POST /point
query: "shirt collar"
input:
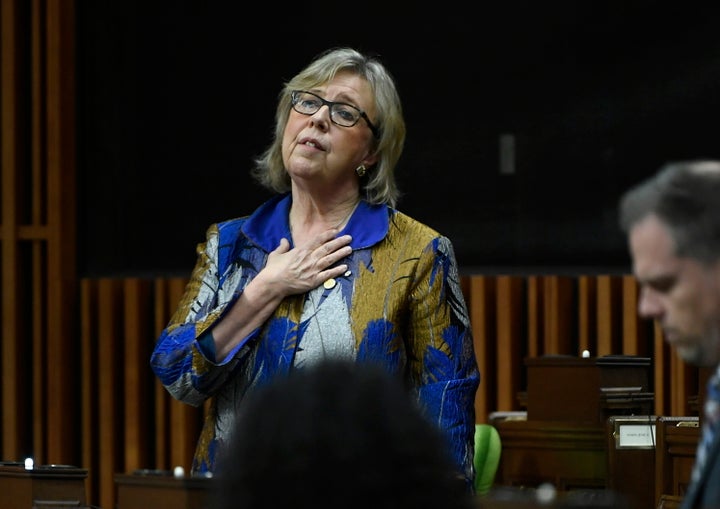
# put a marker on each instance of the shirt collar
(270, 222)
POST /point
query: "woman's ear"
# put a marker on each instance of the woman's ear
(370, 160)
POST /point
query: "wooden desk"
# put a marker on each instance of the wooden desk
(631, 458)
(587, 390)
(677, 439)
(669, 502)
(530, 498)
(161, 492)
(42, 486)
(570, 456)
(569, 401)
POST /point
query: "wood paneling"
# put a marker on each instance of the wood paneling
(131, 421)
(55, 22)
(38, 232)
(508, 328)
(15, 339)
(545, 314)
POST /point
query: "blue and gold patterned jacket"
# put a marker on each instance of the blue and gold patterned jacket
(399, 304)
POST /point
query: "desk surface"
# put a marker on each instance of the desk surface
(43, 471)
(41, 486)
(161, 491)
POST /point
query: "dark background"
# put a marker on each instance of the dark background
(176, 98)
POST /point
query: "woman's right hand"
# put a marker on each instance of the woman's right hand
(307, 266)
(287, 272)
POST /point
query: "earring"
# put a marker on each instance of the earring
(360, 170)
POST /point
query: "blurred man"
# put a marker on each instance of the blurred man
(672, 221)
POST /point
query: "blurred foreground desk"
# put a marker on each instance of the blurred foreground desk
(543, 498)
(41, 487)
(161, 491)
(566, 455)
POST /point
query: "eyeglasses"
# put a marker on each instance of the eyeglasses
(342, 114)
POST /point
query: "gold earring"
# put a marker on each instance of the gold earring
(360, 170)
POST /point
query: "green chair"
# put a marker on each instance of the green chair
(487, 457)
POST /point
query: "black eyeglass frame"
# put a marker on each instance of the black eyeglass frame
(294, 95)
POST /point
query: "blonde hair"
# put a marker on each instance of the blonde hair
(379, 184)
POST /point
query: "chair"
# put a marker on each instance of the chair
(487, 457)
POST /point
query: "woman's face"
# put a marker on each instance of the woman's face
(318, 152)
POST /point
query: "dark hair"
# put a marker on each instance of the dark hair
(685, 196)
(340, 435)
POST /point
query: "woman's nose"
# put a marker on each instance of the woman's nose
(321, 117)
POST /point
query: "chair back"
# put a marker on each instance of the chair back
(488, 448)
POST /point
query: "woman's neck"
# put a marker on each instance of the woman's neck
(307, 218)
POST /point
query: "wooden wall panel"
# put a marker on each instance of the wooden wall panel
(480, 292)
(138, 376)
(89, 390)
(111, 394)
(587, 318)
(58, 72)
(685, 383)
(38, 329)
(162, 310)
(510, 350)
(608, 320)
(12, 351)
(120, 400)
(37, 232)
(662, 372)
(634, 328)
(535, 315)
(564, 315)
(558, 316)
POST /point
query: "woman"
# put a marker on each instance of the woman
(327, 268)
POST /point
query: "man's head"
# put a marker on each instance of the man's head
(672, 220)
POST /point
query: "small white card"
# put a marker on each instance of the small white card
(636, 435)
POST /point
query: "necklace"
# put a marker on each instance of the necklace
(342, 223)
(338, 226)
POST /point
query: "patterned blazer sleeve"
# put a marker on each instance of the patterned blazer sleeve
(189, 372)
(442, 336)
